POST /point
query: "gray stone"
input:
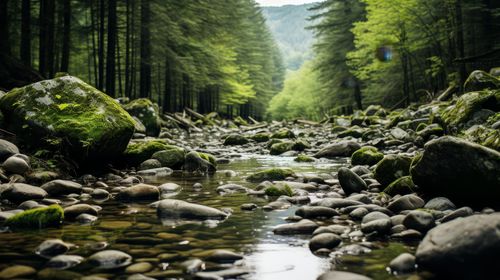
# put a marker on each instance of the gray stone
(440, 204)
(379, 226)
(17, 272)
(139, 192)
(194, 163)
(324, 241)
(342, 275)
(178, 209)
(460, 212)
(302, 227)
(7, 149)
(150, 164)
(74, 211)
(224, 256)
(64, 261)
(419, 220)
(340, 149)
(333, 202)
(467, 248)
(19, 192)
(403, 263)
(109, 259)
(358, 213)
(52, 247)
(311, 212)
(16, 165)
(406, 202)
(61, 187)
(231, 188)
(350, 181)
(169, 188)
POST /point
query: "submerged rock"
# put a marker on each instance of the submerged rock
(139, 192)
(466, 248)
(465, 172)
(52, 247)
(342, 275)
(302, 227)
(51, 216)
(110, 259)
(71, 115)
(178, 209)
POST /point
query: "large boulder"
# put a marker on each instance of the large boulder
(467, 248)
(392, 167)
(479, 80)
(147, 112)
(139, 151)
(67, 114)
(20, 192)
(465, 172)
(178, 209)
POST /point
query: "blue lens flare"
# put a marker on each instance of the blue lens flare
(384, 53)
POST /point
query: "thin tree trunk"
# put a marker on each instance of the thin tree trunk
(66, 35)
(50, 37)
(145, 78)
(94, 50)
(127, 48)
(119, 67)
(459, 33)
(100, 83)
(25, 50)
(111, 50)
(42, 41)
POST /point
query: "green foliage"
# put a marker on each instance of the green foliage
(51, 216)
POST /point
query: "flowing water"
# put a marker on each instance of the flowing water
(135, 229)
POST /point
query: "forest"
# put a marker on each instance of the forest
(177, 53)
(249, 139)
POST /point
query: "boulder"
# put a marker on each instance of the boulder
(367, 155)
(110, 259)
(195, 163)
(391, 168)
(273, 174)
(51, 216)
(402, 264)
(350, 181)
(403, 185)
(140, 192)
(235, 140)
(139, 151)
(468, 175)
(147, 113)
(19, 192)
(340, 149)
(465, 248)
(324, 241)
(406, 202)
(16, 165)
(172, 158)
(178, 209)
(7, 149)
(479, 80)
(62, 187)
(66, 113)
(342, 275)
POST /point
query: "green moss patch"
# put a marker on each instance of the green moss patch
(367, 155)
(304, 158)
(140, 151)
(279, 191)
(403, 185)
(51, 216)
(273, 174)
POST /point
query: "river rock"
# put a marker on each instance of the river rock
(403, 263)
(461, 212)
(324, 241)
(52, 247)
(74, 116)
(7, 149)
(335, 203)
(466, 248)
(235, 139)
(406, 202)
(350, 181)
(367, 155)
(302, 227)
(391, 168)
(469, 175)
(273, 174)
(17, 272)
(19, 192)
(62, 187)
(138, 192)
(440, 204)
(172, 158)
(169, 188)
(340, 149)
(342, 275)
(195, 163)
(178, 209)
(312, 212)
(109, 259)
(64, 261)
(419, 220)
(16, 165)
(223, 256)
(51, 216)
(147, 113)
(73, 211)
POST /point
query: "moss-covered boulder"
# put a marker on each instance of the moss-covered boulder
(147, 113)
(139, 151)
(464, 172)
(355, 132)
(479, 80)
(402, 186)
(235, 140)
(284, 134)
(367, 155)
(51, 216)
(392, 167)
(461, 115)
(279, 148)
(278, 190)
(304, 158)
(68, 115)
(300, 145)
(427, 131)
(260, 137)
(209, 157)
(273, 174)
(194, 163)
(172, 157)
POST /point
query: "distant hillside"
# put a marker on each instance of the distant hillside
(287, 24)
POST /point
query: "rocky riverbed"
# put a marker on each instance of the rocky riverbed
(411, 193)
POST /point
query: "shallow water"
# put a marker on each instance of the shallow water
(135, 229)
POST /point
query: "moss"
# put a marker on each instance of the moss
(279, 191)
(67, 114)
(420, 127)
(355, 132)
(240, 121)
(367, 155)
(51, 216)
(260, 137)
(485, 136)
(208, 157)
(391, 168)
(272, 142)
(147, 113)
(337, 129)
(284, 134)
(279, 148)
(273, 174)
(479, 80)
(172, 157)
(403, 185)
(300, 145)
(140, 151)
(304, 158)
(235, 140)
(428, 131)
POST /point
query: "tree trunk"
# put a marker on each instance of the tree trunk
(145, 82)
(127, 47)
(357, 94)
(111, 50)
(94, 45)
(25, 50)
(66, 35)
(50, 13)
(459, 33)
(100, 82)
